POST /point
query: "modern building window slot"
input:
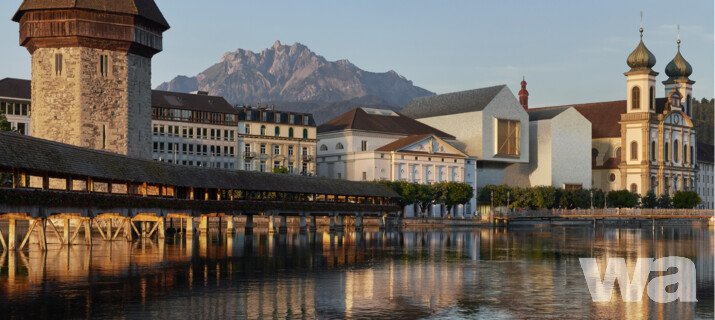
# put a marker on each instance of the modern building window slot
(508, 137)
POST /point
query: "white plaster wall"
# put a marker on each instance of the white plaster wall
(466, 127)
(540, 165)
(504, 106)
(571, 150)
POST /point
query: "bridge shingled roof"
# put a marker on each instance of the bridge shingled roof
(28, 153)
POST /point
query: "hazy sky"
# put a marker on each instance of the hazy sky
(570, 51)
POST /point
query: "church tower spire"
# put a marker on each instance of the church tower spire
(641, 79)
(524, 95)
(678, 71)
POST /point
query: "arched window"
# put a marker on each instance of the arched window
(635, 98)
(634, 188)
(323, 148)
(277, 131)
(652, 151)
(666, 153)
(290, 132)
(676, 151)
(652, 98)
(305, 133)
(263, 130)
(634, 150)
(339, 146)
(618, 153)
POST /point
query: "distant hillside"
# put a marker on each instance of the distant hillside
(704, 119)
(296, 76)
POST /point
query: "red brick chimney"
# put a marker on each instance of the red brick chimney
(524, 95)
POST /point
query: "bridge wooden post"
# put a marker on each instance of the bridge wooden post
(66, 232)
(249, 224)
(11, 235)
(204, 224)
(358, 223)
(109, 229)
(313, 224)
(162, 228)
(42, 237)
(303, 224)
(283, 228)
(128, 229)
(87, 226)
(189, 228)
(271, 223)
(230, 228)
(340, 226)
(332, 222)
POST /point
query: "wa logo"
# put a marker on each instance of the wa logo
(663, 289)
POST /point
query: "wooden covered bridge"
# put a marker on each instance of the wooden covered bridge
(42, 181)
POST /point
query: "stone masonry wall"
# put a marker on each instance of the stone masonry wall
(84, 108)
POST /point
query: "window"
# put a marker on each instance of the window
(247, 129)
(305, 133)
(277, 117)
(58, 64)
(276, 149)
(323, 147)
(104, 65)
(339, 146)
(263, 130)
(213, 134)
(156, 146)
(652, 151)
(305, 169)
(290, 131)
(247, 166)
(276, 164)
(364, 176)
(225, 135)
(191, 133)
(290, 167)
(291, 119)
(263, 148)
(306, 120)
(290, 150)
(666, 154)
(264, 116)
(685, 153)
(508, 137)
(262, 167)
(231, 134)
(205, 133)
(676, 151)
(247, 148)
(634, 188)
(652, 98)
(363, 146)
(184, 148)
(277, 131)
(635, 98)
(634, 150)
(184, 132)
(249, 115)
(305, 152)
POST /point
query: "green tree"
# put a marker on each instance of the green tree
(622, 199)
(650, 200)
(686, 199)
(582, 198)
(665, 202)
(703, 118)
(281, 170)
(4, 124)
(404, 189)
(425, 195)
(454, 193)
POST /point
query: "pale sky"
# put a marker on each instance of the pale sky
(570, 51)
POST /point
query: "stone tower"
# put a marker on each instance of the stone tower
(91, 71)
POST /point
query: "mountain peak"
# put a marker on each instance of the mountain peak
(294, 74)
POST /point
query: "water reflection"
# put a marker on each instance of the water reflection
(485, 273)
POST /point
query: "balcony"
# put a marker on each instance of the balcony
(249, 155)
(307, 158)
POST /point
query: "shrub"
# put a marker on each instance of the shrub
(686, 199)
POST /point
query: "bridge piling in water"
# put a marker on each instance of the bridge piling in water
(313, 224)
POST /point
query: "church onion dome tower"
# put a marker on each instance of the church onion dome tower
(641, 58)
(678, 68)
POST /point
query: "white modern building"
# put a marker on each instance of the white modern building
(704, 182)
(193, 129)
(15, 103)
(367, 144)
(488, 123)
(559, 146)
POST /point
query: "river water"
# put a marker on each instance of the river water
(482, 273)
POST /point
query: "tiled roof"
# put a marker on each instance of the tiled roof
(706, 153)
(15, 88)
(359, 119)
(271, 116)
(452, 103)
(604, 116)
(143, 8)
(23, 152)
(189, 101)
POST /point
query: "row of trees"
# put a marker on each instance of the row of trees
(450, 194)
(546, 197)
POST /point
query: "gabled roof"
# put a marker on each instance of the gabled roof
(395, 123)
(144, 8)
(604, 116)
(410, 140)
(706, 153)
(538, 114)
(452, 103)
(190, 101)
(16, 88)
(23, 152)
